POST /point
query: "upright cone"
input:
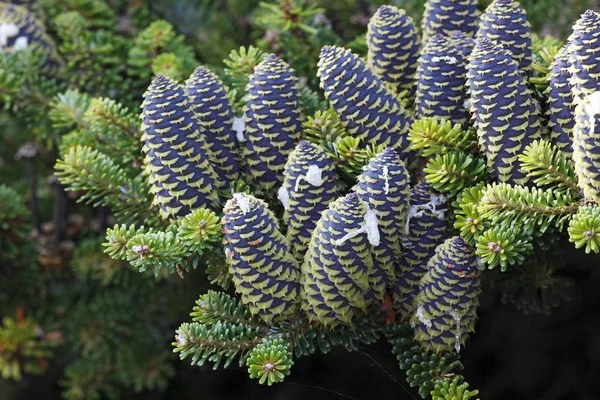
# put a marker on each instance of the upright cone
(264, 272)
(177, 157)
(211, 105)
(384, 186)
(446, 307)
(393, 48)
(273, 123)
(367, 109)
(426, 227)
(337, 265)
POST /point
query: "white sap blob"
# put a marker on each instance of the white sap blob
(386, 176)
(314, 175)
(371, 226)
(448, 59)
(243, 202)
(592, 109)
(432, 205)
(21, 43)
(6, 32)
(284, 196)
(422, 318)
(239, 126)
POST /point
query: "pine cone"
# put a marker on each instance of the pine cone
(273, 121)
(263, 270)
(505, 23)
(310, 184)
(506, 115)
(441, 80)
(213, 109)
(368, 110)
(446, 307)
(338, 262)
(448, 16)
(384, 186)
(177, 157)
(393, 48)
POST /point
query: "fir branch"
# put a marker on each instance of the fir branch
(220, 343)
(103, 183)
(213, 307)
(519, 205)
(452, 172)
(584, 229)
(431, 136)
(550, 167)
